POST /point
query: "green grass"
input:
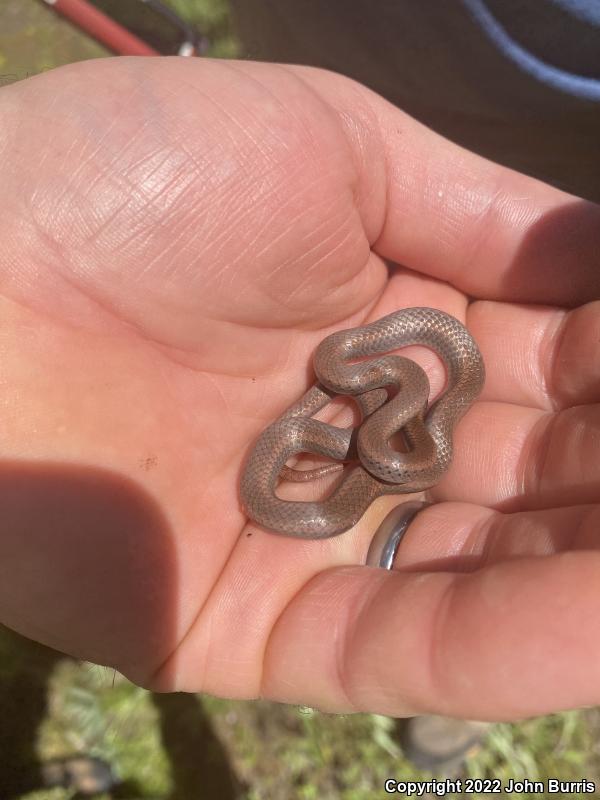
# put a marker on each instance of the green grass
(33, 38)
(175, 745)
(212, 18)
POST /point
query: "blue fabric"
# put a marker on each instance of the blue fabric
(588, 11)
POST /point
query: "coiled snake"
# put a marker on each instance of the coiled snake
(379, 469)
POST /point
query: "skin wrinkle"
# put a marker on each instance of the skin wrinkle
(345, 217)
(179, 179)
(280, 105)
(480, 532)
(454, 204)
(255, 144)
(334, 287)
(354, 612)
(136, 206)
(551, 347)
(557, 367)
(301, 325)
(172, 266)
(329, 254)
(50, 216)
(210, 378)
(325, 106)
(354, 136)
(478, 243)
(515, 491)
(143, 222)
(281, 141)
(349, 288)
(468, 203)
(48, 151)
(212, 154)
(226, 235)
(212, 245)
(529, 469)
(580, 430)
(166, 350)
(149, 157)
(260, 230)
(124, 161)
(358, 133)
(582, 466)
(74, 175)
(66, 186)
(375, 129)
(388, 172)
(129, 326)
(519, 523)
(284, 264)
(589, 518)
(530, 369)
(492, 532)
(98, 177)
(267, 646)
(577, 532)
(94, 147)
(437, 655)
(540, 441)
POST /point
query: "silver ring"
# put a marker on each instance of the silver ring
(389, 534)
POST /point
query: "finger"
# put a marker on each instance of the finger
(517, 639)
(515, 458)
(538, 356)
(460, 537)
(488, 230)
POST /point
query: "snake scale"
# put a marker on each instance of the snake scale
(374, 467)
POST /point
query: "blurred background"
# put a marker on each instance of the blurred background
(137, 744)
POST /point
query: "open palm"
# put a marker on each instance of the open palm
(177, 237)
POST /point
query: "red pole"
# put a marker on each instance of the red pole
(102, 28)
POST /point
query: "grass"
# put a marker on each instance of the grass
(212, 18)
(185, 746)
(190, 746)
(33, 38)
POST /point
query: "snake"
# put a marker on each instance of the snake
(392, 394)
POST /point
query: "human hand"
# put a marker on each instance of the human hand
(178, 235)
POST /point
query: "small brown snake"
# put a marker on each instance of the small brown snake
(378, 469)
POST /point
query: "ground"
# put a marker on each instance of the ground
(192, 746)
